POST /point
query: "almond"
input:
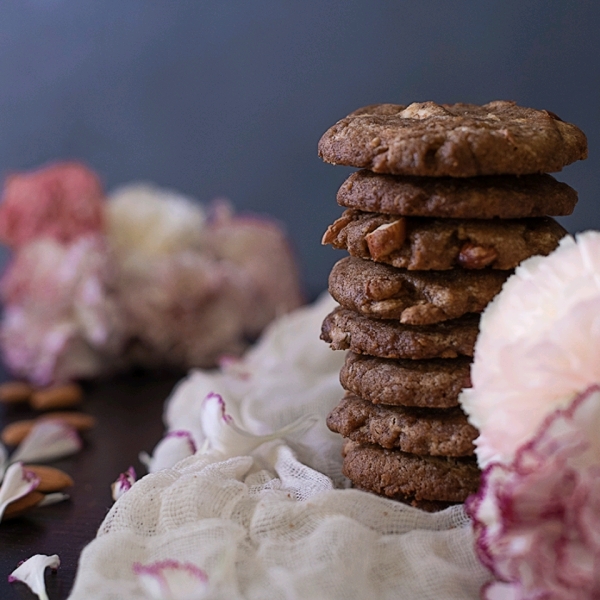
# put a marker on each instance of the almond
(15, 433)
(77, 420)
(23, 504)
(51, 479)
(386, 238)
(13, 392)
(330, 236)
(473, 256)
(59, 396)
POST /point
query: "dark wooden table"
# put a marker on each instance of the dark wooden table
(129, 411)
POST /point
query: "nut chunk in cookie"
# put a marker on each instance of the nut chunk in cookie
(422, 244)
(414, 297)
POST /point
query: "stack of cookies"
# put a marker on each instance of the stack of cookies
(450, 200)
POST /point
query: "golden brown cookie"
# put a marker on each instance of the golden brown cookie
(503, 196)
(396, 474)
(421, 244)
(414, 297)
(434, 383)
(345, 329)
(455, 140)
(423, 431)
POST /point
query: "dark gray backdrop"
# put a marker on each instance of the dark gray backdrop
(229, 97)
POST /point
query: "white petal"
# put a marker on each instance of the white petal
(3, 460)
(53, 498)
(123, 483)
(47, 441)
(227, 439)
(171, 580)
(17, 483)
(31, 573)
(175, 446)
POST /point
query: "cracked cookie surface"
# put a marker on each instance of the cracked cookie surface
(453, 140)
(345, 329)
(397, 474)
(423, 431)
(413, 297)
(433, 383)
(500, 196)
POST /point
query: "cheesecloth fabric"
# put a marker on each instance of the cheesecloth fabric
(279, 522)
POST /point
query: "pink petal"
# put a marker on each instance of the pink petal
(123, 483)
(31, 573)
(171, 579)
(537, 519)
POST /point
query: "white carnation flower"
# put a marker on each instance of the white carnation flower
(538, 347)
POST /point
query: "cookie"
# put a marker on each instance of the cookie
(414, 297)
(503, 196)
(453, 140)
(426, 505)
(434, 383)
(423, 431)
(396, 474)
(345, 329)
(418, 244)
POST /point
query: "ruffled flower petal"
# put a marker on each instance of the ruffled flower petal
(123, 483)
(62, 201)
(17, 483)
(61, 318)
(225, 438)
(537, 519)
(175, 446)
(538, 346)
(31, 573)
(47, 441)
(172, 580)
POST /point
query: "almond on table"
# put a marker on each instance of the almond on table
(59, 396)
(51, 479)
(23, 504)
(13, 392)
(16, 432)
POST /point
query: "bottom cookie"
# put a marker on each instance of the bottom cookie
(426, 505)
(399, 475)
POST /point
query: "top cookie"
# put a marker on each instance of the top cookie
(455, 140)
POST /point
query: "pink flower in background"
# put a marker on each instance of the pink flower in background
(141, 279)
(260, 249)
(61, 318)
(62, 201)
(192, 291)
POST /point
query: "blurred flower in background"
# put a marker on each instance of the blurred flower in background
(144, 277)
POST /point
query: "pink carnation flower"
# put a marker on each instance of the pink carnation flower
(61, 319)
(183, 310)
(537, 514)
(537, 519)
(62, 201)
(258, 247)
(192, 291)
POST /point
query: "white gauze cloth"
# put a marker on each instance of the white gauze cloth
(276, 523)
